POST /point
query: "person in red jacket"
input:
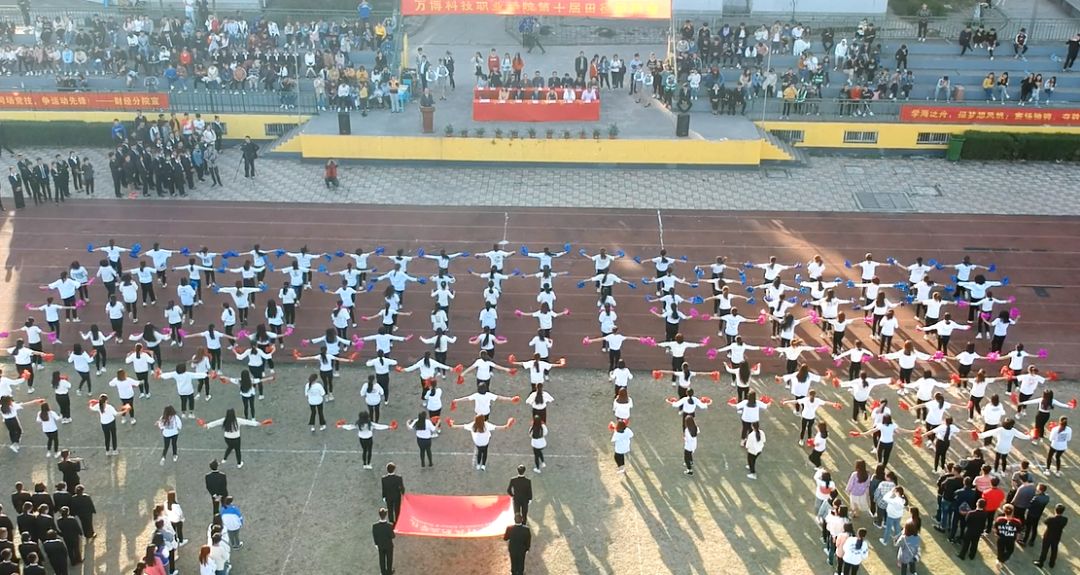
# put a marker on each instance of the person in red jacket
(330, 174)
(993, 497)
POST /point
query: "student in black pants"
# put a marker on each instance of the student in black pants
(1052, 536)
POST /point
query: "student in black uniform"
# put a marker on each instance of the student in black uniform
(82, 506)
(56, 551)
(520, 489)
(70, 532)
(393, 488)
(519, 539)
(382, 532)
(217, 484)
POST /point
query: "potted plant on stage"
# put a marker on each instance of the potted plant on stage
(596, 133)
(514, 134)
(464, 133)
(550, 133)
(498, 133)
(613, 131)
(532, 133)
(583, 134)
(449, 131)
(566, 134)
(479, 132)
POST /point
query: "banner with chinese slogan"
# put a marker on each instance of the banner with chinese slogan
(631, 9)
(61, 101)
(455, 516)
(990, 115)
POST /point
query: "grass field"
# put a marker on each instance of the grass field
(308, 502)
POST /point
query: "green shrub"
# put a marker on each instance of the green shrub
(1032, 147)
(59, 134)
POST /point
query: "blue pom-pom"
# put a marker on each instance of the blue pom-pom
(136, 247)
(379, 250)
(697, 300)
(805, 303)
(322, 268)
(748, 265)
(279, 252)
(650, 298)
(185, 251)
(133, 254)
(263, 287)
(1005, 281)
(793, 299)
(700, 273)
(850, 283)
(992, 268)
(620, 253)
(374, 270)
(847, 264)
(221, 270)
(949, 289)
(909, 299)
(582, 252)
(328, 257)
(580, 284)
(751, 301)
(230, 254)
(90, 248)
(954, 279)
(694, 285)
(566, 247)
(939, 267)
(370, 286)
(838, 279)
(900, 286)
(322, 287)
(516, 272)
(749, 289)
(804, 290)
(422, 281)
(339, 253)
(646, 281)
(465, 254)
(214, 288)
(798, 278)
(890, 261)
(637, 259)
(856, 307)
(932, 262)
(470, 270)
(631, 285)
(684, 258)
(524, 251)
(420, 252)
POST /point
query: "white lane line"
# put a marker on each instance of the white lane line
(303, 510)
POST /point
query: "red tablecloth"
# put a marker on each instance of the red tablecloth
(487, 108)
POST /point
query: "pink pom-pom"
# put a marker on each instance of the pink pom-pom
(985, 316)
(651, 342)
(518, 313)
(288, 330)
(938, 356)
(1043, 353)
(705, 340)
(761, 319)
(769, 351)
(242, 334)
(993, 356)
(79, 304)
(181, 332)
(1014, 313)
(694, 313)
(822, 349)
(868, 320)
(962, 303)
(4, 334)
(585, 341)
(29, 307)
(711, 354)
(305, 342)
(90, 281)
(51, 336)
(653, 310)
(359, 345)
(1012, 299)
(566, 311)
(882, 359)
(838, 362)
(500, 339)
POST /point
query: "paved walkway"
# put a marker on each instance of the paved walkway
(827, 184)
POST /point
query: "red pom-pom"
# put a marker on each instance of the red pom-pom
(854, 433)
(515, 399)
(1052, 375)
(453, 406)
(656, 374)
(706, 400)
(1072, 403)
(93, 403)
(611, 426)
(296, 354)
(399, 369)
(513, 371)
(904, 405)
(1034, 433)
(339, 423)
(267, 422)
(393, 425)
(459, 368)
(767, 400)
(837, 405)
(49, 356)
(450, 422)
(1014, 398)
(875, 404)
(715, 375)
(511, 358)
(836, 382)
(200, 422)
(955, 378)
(733, 401)
(810, 442)
(510, 422)
(460, 379)
(974, 435)
(672, 400)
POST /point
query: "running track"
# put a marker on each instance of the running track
(1033, 251)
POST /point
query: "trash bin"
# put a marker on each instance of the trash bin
(956, 145)
(958, 93)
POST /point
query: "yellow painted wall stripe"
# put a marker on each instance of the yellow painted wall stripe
(239, 125)
(895, 136)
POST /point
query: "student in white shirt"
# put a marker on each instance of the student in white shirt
(613, 342)
(67, 289)
(425, 432)
(247, 385)
(621, 439)
(1059, 442)
(152, 339)
(1045, 404)
(808, 407)
(818, 444)
(382, 366)
(327, 367)
(857, 355)
(1003, 442)
(906, 359)
(690, 442)
(365, 430)
(754, 443)
(1000, 327)
(481, 429)
(944, 329)
(125, 390)
(61, 389)
(484, 366)
(860, 393)
(373, 394)
(538, 440)
(184, 388)
(140, 362)
(856, 550)
(24, 358)
(440, 343)
(170, 426)
(9, 411)
(80, 360)
(52, 317)
(230, 424)
(107, 414)
(48, 419)
(315, 394)
(538, 401)
(884, 433)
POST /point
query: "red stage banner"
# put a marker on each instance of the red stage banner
(455, 516)
(632, 9)
(488, 108)
(82, 101)
(989, 115)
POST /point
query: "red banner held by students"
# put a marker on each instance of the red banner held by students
(83, 101)
(631, 9)
(455, 516)
(989, 115)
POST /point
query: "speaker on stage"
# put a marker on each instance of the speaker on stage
(682, 126)
(344, 124)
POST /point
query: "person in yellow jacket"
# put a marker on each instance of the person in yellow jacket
(789, 99)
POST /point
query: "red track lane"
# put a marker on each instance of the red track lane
(1032, 251)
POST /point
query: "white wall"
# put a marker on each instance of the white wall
(828, 6)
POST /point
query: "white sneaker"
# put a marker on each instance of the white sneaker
(536, 470)
(162, 462)
(367, 467)
(751, 475)
(207, 398)
(79, 391)
(48, 455)
(198, 395)
(483, 468)
(313, 429)
(133, 420)
(142, 396)
(478, 467)
(978, 336)
(543, 464)
(322, 428)
(261, 396)
(241, 465)
(175, 457)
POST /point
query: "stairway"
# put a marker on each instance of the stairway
(287, 143)
(798, 157)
